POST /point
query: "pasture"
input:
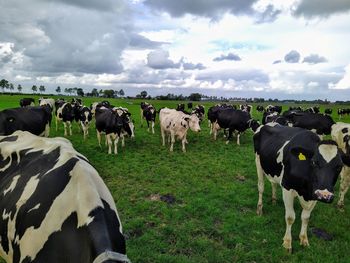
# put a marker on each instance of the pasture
(200, 206)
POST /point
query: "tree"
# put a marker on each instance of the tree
(80, 92)
(4, 84)
(195, 97)
(116, 93)
(121, 92)
(42, 88)
(11, 87)
(58, 90)
(65, 90)
(109, 93)
(19, 88)
(34, 88)
(94, 92)
(143, 94)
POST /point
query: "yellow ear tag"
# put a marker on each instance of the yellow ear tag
(301, 157)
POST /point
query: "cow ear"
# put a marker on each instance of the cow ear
(301, 154)
(345, 158)
(11, 119)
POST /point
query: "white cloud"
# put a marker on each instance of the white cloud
(344, 83)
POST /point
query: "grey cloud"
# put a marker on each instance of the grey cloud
(229, 56)
(269, 15)
(105, 5)
(277, 61)
(318, 8)
(191, 66)
(206, 8)
(159, 59)
(140, 42)
(314, 59)
(292, 57)
(237, 75)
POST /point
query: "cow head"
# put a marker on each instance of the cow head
(193, 122)
(85, 115)
(253, 124)
(322, 166)
(7, 124)
(346, 139)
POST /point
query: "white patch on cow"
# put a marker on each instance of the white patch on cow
(338, 135)
(280, 153)
(328, 151)
(12, 185)
(35, 207)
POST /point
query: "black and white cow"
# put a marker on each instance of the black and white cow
(180, 107)
(319, 123)
(246, 107)
(84, 117)
(189, 105)
(47, 101)
(199, 110)
(98, 105)
(343, 112)
(26, 102)
(341, 134)
(213, 114)
(260, 108)
(65, 113)
(328, 111)
(110, 123)
(313, 109)
(36, 120)
(54, 205)
(272, 108)
(302, 164)
(126, 114)
(274, 117)
(235, 121)
(149, 113)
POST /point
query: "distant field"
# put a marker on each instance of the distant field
(213, 218)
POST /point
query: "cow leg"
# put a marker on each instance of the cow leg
(116, 140)
(307, 206)
(47, 130)
(184, 144)
(163, 135)
(141, 118)
(69, 124)
(109, 141)
(65, 128)
(56, 120)
(147, 125)
(229, 135)
(273, 187)
(288, 199)
(153, 127)
(238, 135)
(98, 137)
(344, 185)
(123, 141)
(172, 134)
(260, 174)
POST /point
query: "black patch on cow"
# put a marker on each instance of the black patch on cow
(9, 139)
(345, 130)
(49, 187)
(83, 244)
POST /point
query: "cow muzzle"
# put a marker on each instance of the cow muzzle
(324, 196)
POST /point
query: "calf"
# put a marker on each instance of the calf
(125, 112)
(65, 113)
(328, 111)
(36, 120)
(26, 102)
(54, 205)
(84, 117)
(319, 123)
(175, 124)
(302, 164)
(149, 113)
(235, 121)
(111, 124)
(341, 134)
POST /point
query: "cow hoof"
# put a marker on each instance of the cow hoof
(259, 211)
(227, 142)
(274, 201)
(287, 244)
(340, 206)
(304, 241)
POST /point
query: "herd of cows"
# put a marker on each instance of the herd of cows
(50, 192)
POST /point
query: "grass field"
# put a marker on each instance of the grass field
(212, 217)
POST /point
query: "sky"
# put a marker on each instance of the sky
(285, 49)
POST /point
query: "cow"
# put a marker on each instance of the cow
(189, 105)
(341, 134)
(199, 110)
(143, 105)
(314, 109)
(319, 123)
(125, 112)
(36, 120)
(110, 123)
(260, 108)
(149, 113)
(271, 108)
(176, 124)
(298, 108)
(47, 101)
(65, 113)
(328, 111)
(246, 107)
(54, 205)
(302, 164)
(342, 112)
(26, 102)
(84, 117)
(235, 121)
(274, 117)
(180, 107)
(213, 112)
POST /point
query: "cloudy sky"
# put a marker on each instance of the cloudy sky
(237, 48)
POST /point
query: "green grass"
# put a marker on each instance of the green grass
(213, 218)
